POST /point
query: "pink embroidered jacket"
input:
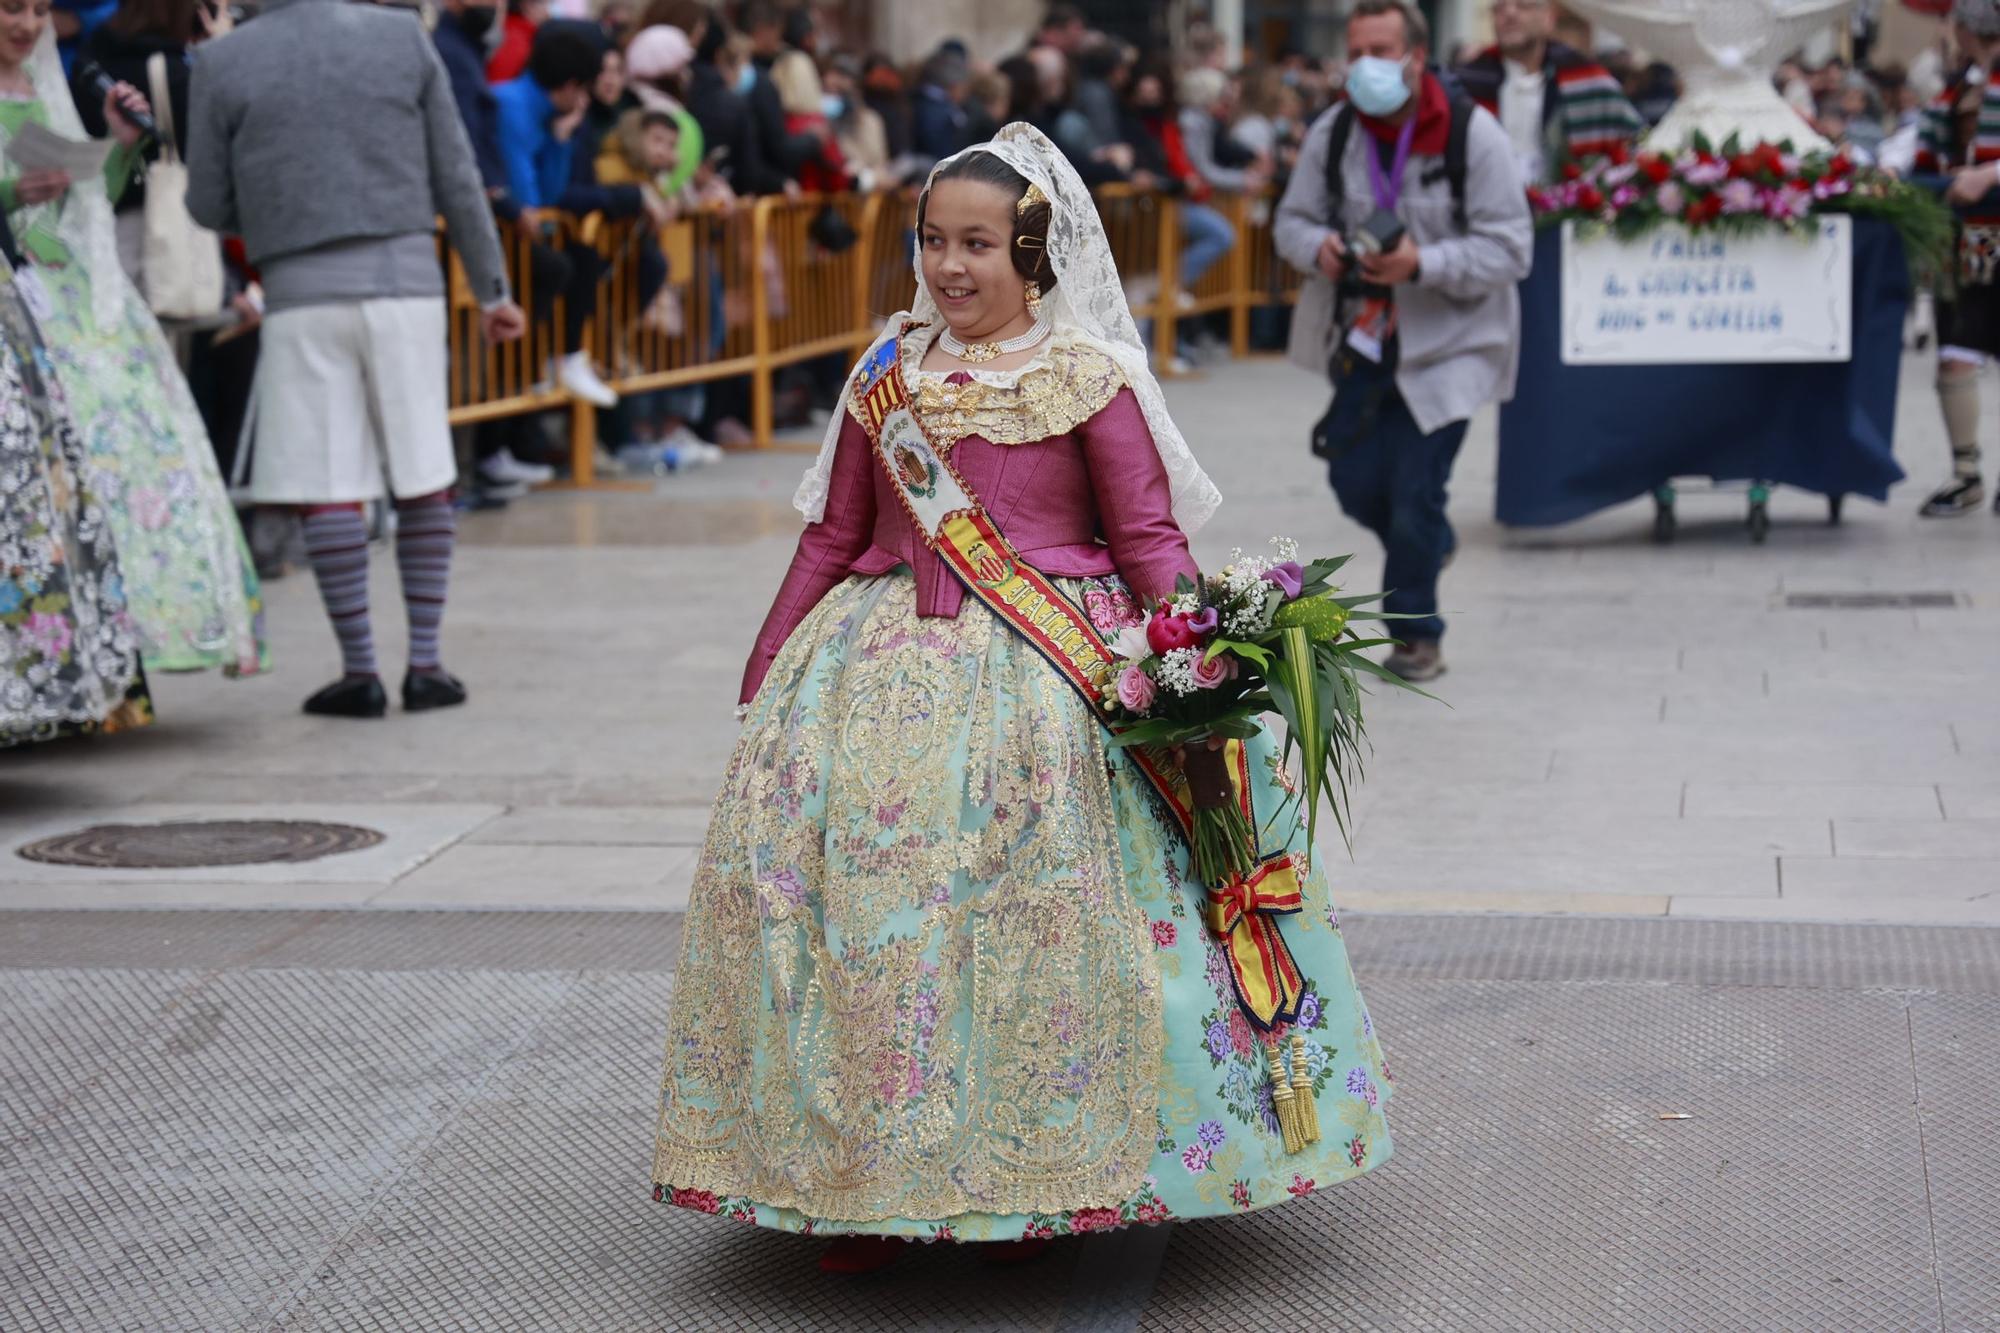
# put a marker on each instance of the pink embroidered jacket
(1089, 502)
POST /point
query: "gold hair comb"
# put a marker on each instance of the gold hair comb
(1033, 196)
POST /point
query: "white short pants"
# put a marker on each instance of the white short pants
(350, 403)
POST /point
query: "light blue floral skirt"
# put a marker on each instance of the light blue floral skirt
(945, 974)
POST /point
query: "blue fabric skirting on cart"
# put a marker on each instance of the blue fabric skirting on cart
(1577, 439)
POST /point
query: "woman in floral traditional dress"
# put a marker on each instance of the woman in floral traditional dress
(190, 583)
(946, 974)
(69, 661)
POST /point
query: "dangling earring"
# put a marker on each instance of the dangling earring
(1034, 293)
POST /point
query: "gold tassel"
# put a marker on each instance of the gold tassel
(1282, 1103)
(1305, 1109)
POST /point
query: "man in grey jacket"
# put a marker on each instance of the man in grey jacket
(1411, 306)
(325, 135)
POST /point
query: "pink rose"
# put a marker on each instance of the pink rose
(1671, 199)
(1136, 689)
(1209, 673)
(1165, 933)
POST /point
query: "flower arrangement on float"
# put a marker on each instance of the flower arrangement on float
(1736, 189)
(1266, 635)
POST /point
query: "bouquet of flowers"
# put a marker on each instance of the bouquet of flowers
(1264, 635)
(1735, 189)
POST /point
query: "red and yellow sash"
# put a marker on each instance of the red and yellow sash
(1243, 914)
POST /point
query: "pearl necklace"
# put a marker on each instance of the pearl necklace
(977, 352)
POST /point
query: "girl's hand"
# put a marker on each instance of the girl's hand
(39, 187)
(119, 99)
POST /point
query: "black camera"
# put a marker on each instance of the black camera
(1381, 233)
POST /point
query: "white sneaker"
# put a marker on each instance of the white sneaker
(580, 378)
(504, 468)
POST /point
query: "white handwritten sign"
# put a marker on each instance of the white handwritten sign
(1675, 298)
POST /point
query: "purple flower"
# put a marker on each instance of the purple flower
(1357, 1080)
(1196, 1159)
(1788, 204)
(1739, 196)
(1218, 1039)
(1832, 188)
(1267, 1110)
(1205, 621)
(1211, 1134)
(1309, 1010)
(1671, 199)
(1288, 576)
(1625, 196)
(1697, 172)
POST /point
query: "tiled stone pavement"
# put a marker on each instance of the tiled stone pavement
(1631, 729)
(417, 1121)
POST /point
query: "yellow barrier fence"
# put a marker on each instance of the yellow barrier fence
(746, 291)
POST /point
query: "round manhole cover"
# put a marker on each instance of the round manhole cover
(188, 843)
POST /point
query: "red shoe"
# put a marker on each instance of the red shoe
(853, 1255)
(1007, 1253)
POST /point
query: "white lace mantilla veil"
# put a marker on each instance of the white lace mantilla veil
(1088, 305)
(84, 218)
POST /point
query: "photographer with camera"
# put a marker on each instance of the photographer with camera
(1408, 213)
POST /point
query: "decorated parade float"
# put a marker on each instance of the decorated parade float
(1723, 300)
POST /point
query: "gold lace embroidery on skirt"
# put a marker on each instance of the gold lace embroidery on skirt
(1052, 397)
(914, 983)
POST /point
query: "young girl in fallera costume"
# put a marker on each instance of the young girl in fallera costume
(946, 973)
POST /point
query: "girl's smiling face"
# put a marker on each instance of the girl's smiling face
(968, 239)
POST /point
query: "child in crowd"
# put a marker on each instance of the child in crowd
(645, 150)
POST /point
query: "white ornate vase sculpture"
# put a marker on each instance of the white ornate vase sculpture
(1726, 52)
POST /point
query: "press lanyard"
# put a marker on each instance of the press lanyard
(1389, 189)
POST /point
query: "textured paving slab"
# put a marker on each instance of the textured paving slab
(273, 1120)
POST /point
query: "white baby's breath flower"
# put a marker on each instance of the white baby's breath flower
(1177, 671)
(1286, 548)
(1185, 604)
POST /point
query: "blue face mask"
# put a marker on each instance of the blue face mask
(832, 107)
(746, 78)
(1376, 86)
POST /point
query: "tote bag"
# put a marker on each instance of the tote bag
(182, 274)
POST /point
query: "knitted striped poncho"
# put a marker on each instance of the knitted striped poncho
(1584, 109)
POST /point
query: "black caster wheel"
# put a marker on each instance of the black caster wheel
(1760, 523)
(1834, 504)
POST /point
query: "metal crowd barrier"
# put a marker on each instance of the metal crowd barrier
(745, 291)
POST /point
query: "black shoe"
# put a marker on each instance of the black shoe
(1960, 495)
(351, 696)
(424, 690)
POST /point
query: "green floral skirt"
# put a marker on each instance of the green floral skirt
(945, 974)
